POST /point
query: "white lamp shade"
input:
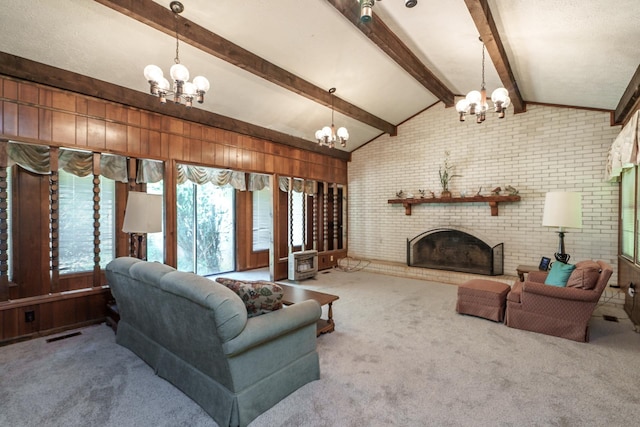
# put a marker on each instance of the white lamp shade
(562, 209)
(462, 106)
(474, 97)
(143, 213)
(343, 133)
(179, 73)
(201, 83)
(499, 95)
(189, 89)
(164, 84)
(153, 73)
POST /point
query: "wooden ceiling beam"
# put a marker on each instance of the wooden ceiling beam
(482, 17)
(629, 100)
(24, 69)
(162, 19)
(385, 39)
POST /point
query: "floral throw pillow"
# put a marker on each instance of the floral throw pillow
(259, 297)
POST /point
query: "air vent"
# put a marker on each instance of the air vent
(61, 337)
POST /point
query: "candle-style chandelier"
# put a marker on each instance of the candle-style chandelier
(183, 91)
(327, 136)
(475, 102)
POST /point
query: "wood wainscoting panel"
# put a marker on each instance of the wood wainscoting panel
(630, 273)
(43, 315)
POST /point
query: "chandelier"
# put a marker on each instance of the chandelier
(183, 91)
(327, 136)
(475, 102)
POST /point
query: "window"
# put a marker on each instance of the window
(76, 237)
(206, 228)
(261, 219)
(297, 218)
(155, 241)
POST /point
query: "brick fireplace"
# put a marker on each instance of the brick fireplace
(455, 250)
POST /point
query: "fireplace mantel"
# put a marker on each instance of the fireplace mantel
(491, 200)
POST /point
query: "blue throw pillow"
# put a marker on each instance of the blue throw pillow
(559, 274)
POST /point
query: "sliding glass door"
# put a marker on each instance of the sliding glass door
(206, 228)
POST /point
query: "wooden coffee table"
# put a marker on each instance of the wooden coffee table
(295, 294)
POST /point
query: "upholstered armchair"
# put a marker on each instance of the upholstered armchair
(560, 311)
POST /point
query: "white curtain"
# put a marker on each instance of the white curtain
(624, 151)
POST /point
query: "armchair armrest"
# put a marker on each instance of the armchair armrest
(269, 326)
(537, 276)
(573, 294)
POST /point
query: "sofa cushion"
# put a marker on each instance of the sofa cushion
(259, 297)
(559, 274)
(585, 275)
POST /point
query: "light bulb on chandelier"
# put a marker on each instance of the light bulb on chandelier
(475, 103)
(183, 91)
(328, 136)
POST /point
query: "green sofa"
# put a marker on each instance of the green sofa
(195, 333)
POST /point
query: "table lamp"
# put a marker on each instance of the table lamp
(143, 215)
(562, 209)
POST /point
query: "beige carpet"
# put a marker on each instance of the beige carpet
(400, 356)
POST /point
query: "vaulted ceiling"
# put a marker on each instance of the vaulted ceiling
(271, 62)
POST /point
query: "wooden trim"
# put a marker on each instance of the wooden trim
(52, 312)
(629, 102)
(4, 256)
(170, 214)
(491, 200)
(54, 218)
(482, 17)
(96, 219)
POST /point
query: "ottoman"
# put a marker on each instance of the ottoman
(483, 298)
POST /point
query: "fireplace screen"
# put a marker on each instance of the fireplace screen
(448, 249)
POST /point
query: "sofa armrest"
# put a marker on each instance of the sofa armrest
(267, 327)
(573, 294)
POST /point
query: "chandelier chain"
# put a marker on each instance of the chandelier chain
(331, 108)
(483, 84)
(177, 58)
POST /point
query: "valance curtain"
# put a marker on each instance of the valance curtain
(35, 158)
(149, 171)
(299, 185)
(220, 177)
(624, 152)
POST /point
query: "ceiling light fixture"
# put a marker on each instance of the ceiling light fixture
(183, 90)
(366, 10)
(327, 136)
(476, 101)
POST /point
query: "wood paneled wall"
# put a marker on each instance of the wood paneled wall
(629, 273)
(33, 113)
(38, 114)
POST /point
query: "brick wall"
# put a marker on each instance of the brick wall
(547, 148)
